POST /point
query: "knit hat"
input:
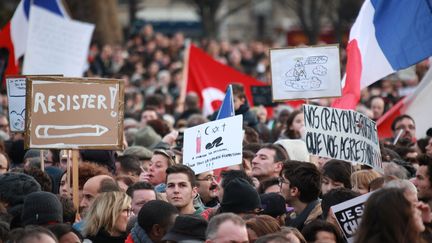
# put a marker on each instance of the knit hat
(147, 137)
(239, 197)
(273, 204)
(187, 227)
(296, 149)
(41, 208)
(139, 151)
(32, 153)
(14, 187)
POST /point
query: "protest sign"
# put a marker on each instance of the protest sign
(307, 72)
(74, 113)
(56, 44)
(342, 134)
(16, 91)
(213, 145)
(348, 215)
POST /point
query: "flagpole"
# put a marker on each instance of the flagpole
(183, 84)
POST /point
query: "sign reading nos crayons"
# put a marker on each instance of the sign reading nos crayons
(342, 134)
(213, 145)
(74, 113)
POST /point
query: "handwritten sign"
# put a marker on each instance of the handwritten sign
(302, 73)
(16, 90)
(342, 134)
(348, 215)
(74, 113)
(213, 145)
(56, 44)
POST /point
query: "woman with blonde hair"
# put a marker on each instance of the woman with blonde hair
(107, 218)
(360, 180)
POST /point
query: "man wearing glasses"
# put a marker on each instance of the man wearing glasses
(207, 184)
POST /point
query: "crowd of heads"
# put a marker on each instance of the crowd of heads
(147, 193)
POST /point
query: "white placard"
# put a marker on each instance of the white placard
(213, 145)
(342, 134)
(16, 91)
(56, 44)
(307, 72)
(348, 215)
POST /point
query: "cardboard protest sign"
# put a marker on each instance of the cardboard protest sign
(342, 134)
(348, 215)
(307, 72)
(213, 145)
(74, 113)
(16, 92)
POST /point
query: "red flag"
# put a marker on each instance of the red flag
(210, 78)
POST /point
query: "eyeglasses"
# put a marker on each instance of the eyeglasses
(208, 178)
(282, 181)
(128, 211)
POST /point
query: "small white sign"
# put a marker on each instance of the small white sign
(348, 215)
(342, 134)
(303, 73)
(16, 90)
(213, 145)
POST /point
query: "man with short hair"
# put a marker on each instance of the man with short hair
(300, 186)
(181, 189)
(141, 193)
(207, 188)
(154, 220)
(423, 179)
(148, 114)
(226, 227)
(268, 161)
(128, 165)
(406, 124)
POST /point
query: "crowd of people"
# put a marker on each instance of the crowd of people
(279, 193)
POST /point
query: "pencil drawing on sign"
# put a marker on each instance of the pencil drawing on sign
(72, 131)
(306, 73)
(17, 119)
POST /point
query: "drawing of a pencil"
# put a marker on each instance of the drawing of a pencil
(72, 131)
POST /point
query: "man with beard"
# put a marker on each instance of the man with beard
(208, 189)
(423, 180)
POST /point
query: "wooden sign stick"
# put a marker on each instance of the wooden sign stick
(75, 179)
(42, 161)
(68, 168)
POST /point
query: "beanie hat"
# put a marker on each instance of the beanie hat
(147, 137)
(296, 149)
(273, 204)
(187, 227)
(239, 197)
(103, 157)
(14, 187)
(41, 208)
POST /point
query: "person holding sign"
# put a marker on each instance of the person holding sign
(390, 217)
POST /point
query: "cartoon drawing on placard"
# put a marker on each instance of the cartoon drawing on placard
(306, 74)
(17, 119)
(70, 131)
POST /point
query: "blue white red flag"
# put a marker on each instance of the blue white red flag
(387, 36)
(13, 36)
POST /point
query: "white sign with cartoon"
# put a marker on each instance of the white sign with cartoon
(16, 90)
(213, 145)
(302, 73)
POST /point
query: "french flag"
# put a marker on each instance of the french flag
(13, 36)
(387, 36)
